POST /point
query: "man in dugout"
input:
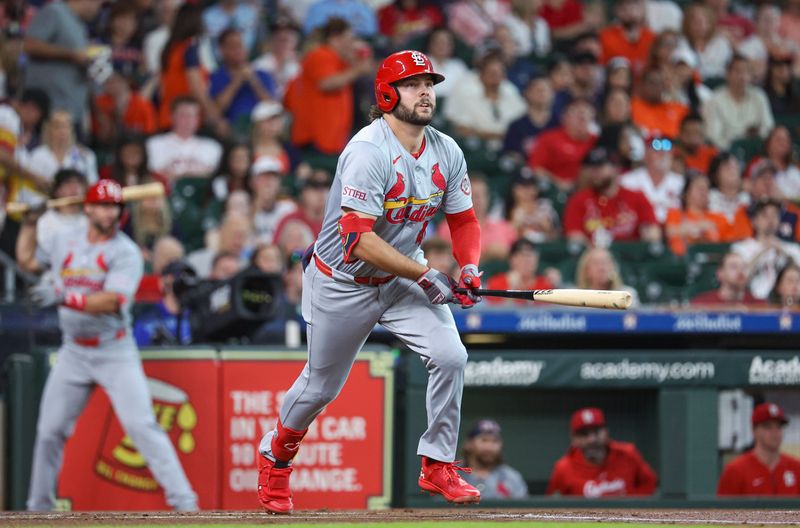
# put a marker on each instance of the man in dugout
(596, 466)
(763, 470)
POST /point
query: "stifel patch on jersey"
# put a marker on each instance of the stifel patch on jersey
(352, 192)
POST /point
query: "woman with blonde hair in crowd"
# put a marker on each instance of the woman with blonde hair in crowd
(597, 270)
(702, 38)
(61, 150)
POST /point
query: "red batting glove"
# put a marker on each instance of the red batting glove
(470, 280)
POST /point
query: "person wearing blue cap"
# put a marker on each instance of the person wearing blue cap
(483, 452)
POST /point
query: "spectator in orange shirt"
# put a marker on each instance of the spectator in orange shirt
(691, 147)
(651, 112)
(522, 262)
(694, 223)
(119, 108)
(182, 73)
(732, 293)
(558, 152)
(596, 466)
(629, 37)
(764, 470)
(321, 97)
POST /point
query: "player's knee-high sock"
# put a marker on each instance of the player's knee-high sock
(285, 443)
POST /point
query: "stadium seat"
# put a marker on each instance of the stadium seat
(663, 281)
(556, 251)
(493, 267)
(639, 251)
(189, 202)
(747, 148)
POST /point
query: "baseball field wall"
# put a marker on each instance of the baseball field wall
(686, 410)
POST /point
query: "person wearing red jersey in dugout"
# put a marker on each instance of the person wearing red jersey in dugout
(596, 466)
(763, 470)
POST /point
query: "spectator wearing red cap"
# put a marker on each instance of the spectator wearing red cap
(483, 452)
(604, 209)
(596, 466)
(763, 470)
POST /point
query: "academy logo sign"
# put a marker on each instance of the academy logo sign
(774, 371)
(500, 372)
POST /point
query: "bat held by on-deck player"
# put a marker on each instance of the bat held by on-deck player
(130, 193)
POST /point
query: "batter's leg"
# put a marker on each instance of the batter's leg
(125, 382)
(340, 317)
(430, 331)
(65, 394)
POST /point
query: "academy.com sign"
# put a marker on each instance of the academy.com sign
(775, 371)
(502, 372)
(648, 370)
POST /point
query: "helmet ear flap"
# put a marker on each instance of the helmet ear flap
(387, 96)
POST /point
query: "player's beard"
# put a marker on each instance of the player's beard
(411, 116)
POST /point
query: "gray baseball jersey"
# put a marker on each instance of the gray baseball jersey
(111, 361)
(377, 176)
(112, 265)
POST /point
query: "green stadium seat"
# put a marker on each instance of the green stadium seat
(639, 251)
(714, 82)
(189, 201)
(493, 267)
(556, 251)
(747, 148)
(663, 281)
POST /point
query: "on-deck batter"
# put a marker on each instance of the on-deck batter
(93, 275)
(367, 268)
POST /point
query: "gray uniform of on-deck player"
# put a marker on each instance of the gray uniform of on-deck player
(112, 362)
(377, 176)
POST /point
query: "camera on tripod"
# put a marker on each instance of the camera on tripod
(222, 311)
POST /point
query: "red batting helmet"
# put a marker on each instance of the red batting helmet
(105, 191)
(395, 67)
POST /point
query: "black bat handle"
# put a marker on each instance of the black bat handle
(509, 294)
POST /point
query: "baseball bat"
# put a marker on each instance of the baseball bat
(131, 193)
(618, 300)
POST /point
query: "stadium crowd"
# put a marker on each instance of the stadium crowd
(640, 144)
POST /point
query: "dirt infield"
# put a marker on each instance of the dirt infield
(693, 517)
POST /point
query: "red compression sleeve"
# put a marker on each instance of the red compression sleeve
(466, 233)
(350, 228)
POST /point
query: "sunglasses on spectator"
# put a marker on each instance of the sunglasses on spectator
(661, 145)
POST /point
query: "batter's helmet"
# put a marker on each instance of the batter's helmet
(105, 191)
(395, 67)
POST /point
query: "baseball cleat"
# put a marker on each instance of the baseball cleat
(441, 478)
(274, 493)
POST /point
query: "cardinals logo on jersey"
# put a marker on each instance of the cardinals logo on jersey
(438, 178)
(395, 194)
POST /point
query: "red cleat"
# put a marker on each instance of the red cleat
(273, 486)
(441, 478)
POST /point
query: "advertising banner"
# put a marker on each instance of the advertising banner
(103, 470)
(345, 460)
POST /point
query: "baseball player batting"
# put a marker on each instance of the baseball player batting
(94, 272)
(367, 268)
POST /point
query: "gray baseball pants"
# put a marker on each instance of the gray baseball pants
(340, 317)
(117, 368)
